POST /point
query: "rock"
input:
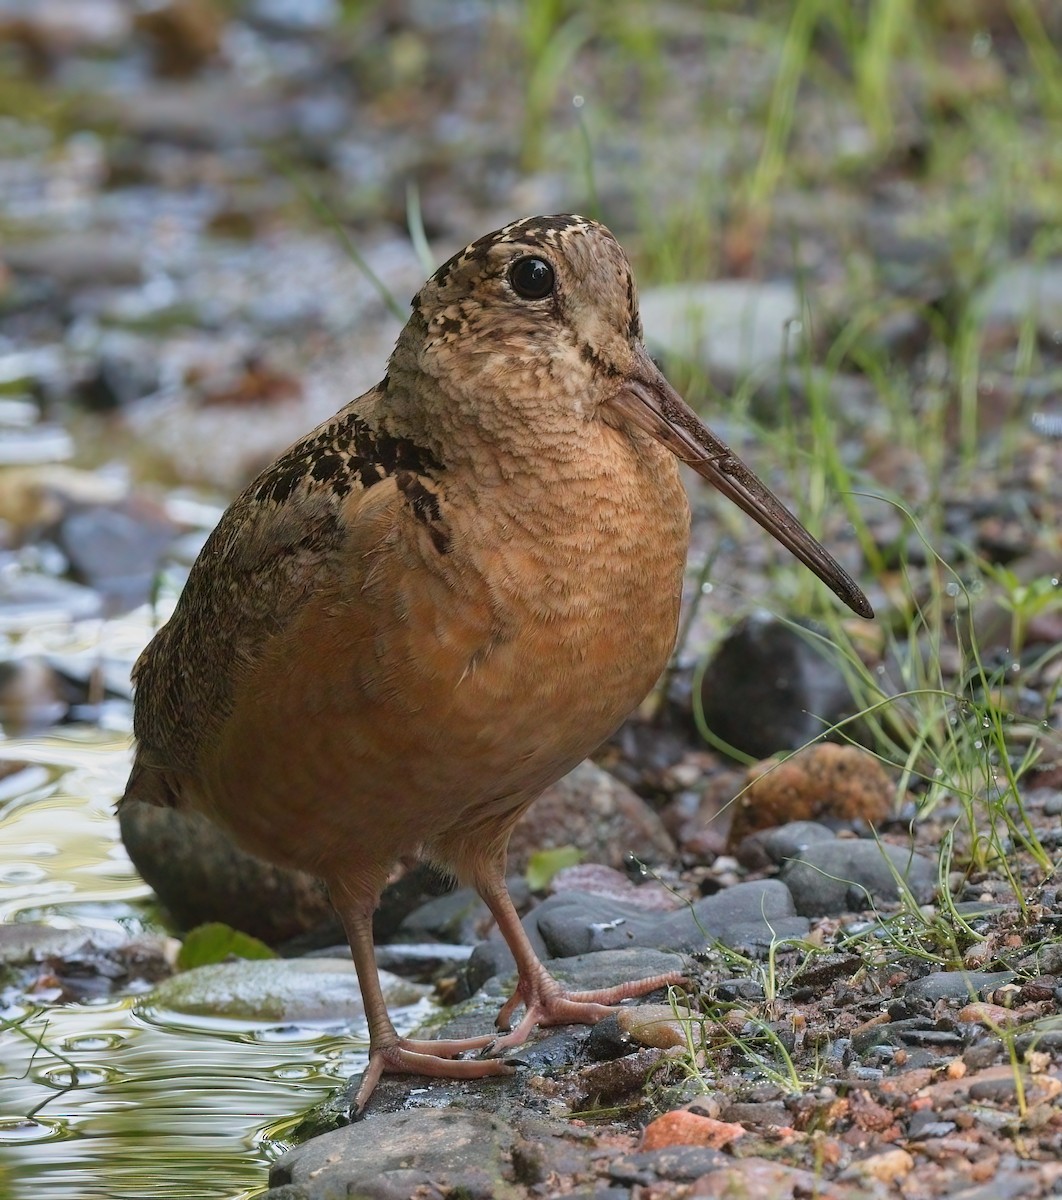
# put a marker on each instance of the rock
(34, 445)
(79, 259)
(669, 1164)
(34, 498)
(685, 1128)
(416, 960)
(826, 780)
(768, 688)
(620, 1082)
(459, 916)
(773, 847)
(849, 875)
(75, 965)
(276, 990)
(1024, 291)
(24, 942)
(118, 550)
(887, 1166)
(954, 985)
(594, 812)
(761, 1177)
(730, 327)
(204, 113)
(659, 1025)
(397, 1155)
(597, 880)
(491, 968)
(58, 27)
(993, 1016)
(748, 917)
(758, 1114)
(295, 16)
(125, 369)
(200, 875)
(736, 916)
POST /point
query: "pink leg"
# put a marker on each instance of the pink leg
(388, 1053)
(546, 1001)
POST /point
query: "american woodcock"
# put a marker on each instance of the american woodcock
(442, 599)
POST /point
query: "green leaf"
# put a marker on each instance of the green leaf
(544, 864)
(215, 943)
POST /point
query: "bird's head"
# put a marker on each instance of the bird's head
(536, 327)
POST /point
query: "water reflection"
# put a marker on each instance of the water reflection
(164, 1105)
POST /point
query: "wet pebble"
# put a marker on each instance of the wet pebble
(659, 1025)
(275, 990)
(758, 1114)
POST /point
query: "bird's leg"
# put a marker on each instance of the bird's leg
(546, 1001)
(388, 1053)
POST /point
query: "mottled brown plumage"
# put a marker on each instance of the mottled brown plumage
(442, 599)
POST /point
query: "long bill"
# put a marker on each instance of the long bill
(655, 407)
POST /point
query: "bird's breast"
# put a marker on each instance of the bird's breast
(425, 686)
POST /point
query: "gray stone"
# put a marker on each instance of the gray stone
(731, 327)
(748, 917)
(75, 259)
(777, 846)
(450, 918)
(748, 913)
(676, 1164)
(117, 550)
(277, 989)
(33, 599)
(492, 965)
(450, 1150)
(846, 875)
(1025, 290)
(200, 875)
(757, 1114)
(29, 941)
(955, 985)
(769, 687)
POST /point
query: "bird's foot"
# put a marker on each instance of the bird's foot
(408, 1056)
(548, 1003)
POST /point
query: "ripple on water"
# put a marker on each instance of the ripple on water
(165, 1106)
(28, 1130)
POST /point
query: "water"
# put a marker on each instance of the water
(164, 1105)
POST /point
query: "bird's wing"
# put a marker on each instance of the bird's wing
(280, 541)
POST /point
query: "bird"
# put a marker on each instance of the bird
(443, 598)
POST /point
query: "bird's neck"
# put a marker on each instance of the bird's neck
(523, 442)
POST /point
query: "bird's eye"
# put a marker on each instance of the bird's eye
(532, 278)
